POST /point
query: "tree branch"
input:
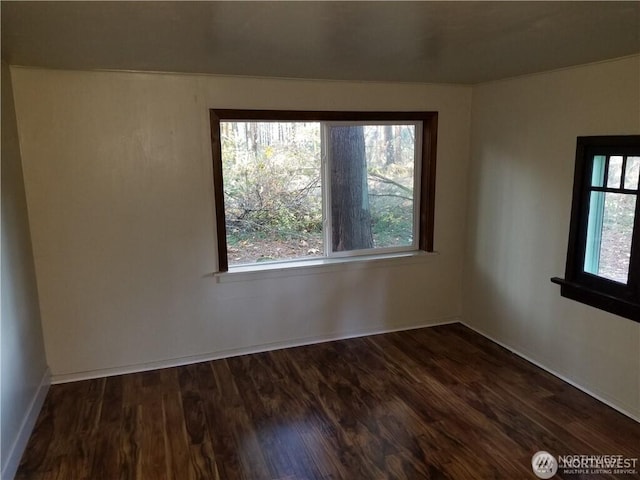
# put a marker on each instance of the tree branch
(390, 195)
(384, 179)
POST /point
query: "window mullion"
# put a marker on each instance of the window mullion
(417, 181)
(327, 231)
(634, 257)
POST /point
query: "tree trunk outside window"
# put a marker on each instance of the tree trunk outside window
(350, 214)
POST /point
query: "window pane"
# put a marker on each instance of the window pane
(631, 173)
(272, 190)
(372, 186)
(609, 234)
(597, 175)
(390, 182)
(615, 172)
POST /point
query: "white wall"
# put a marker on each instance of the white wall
(521, 177)
(23, 366)
(118, 180)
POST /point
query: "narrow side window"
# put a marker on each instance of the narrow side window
(603, 254)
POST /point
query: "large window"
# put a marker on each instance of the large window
(603, 259)
(301, 185)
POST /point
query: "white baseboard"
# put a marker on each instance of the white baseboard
(176, 362)
(571, 382)
(206, 357)
(10, 468)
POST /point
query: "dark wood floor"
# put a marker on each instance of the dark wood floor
(441, 403)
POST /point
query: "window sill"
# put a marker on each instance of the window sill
(580, 293)
(320, 265)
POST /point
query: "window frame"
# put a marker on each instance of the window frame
(578, 284)
(327, 160)
(426, 164)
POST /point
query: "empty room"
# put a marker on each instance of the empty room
(320, 240)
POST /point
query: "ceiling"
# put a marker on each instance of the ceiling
(444, 42)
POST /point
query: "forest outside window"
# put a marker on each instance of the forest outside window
(302, 185)
(603, 255)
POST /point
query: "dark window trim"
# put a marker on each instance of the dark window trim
(599, 292)
(428, 168)
(597, 299)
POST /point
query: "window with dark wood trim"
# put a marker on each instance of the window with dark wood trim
(337, 170)
(603, 254)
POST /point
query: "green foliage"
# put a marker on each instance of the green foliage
(392, 227)
(273, 187)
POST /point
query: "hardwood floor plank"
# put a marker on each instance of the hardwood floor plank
(108, 432)
(318, 432)
(175, 438)
(234, 436)
(435, 403)
(277, 440)
(361, 450)
(224, 421)
(37, 459)
(152, 448)
(200, 445)
(308, 421)
(130, 467)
